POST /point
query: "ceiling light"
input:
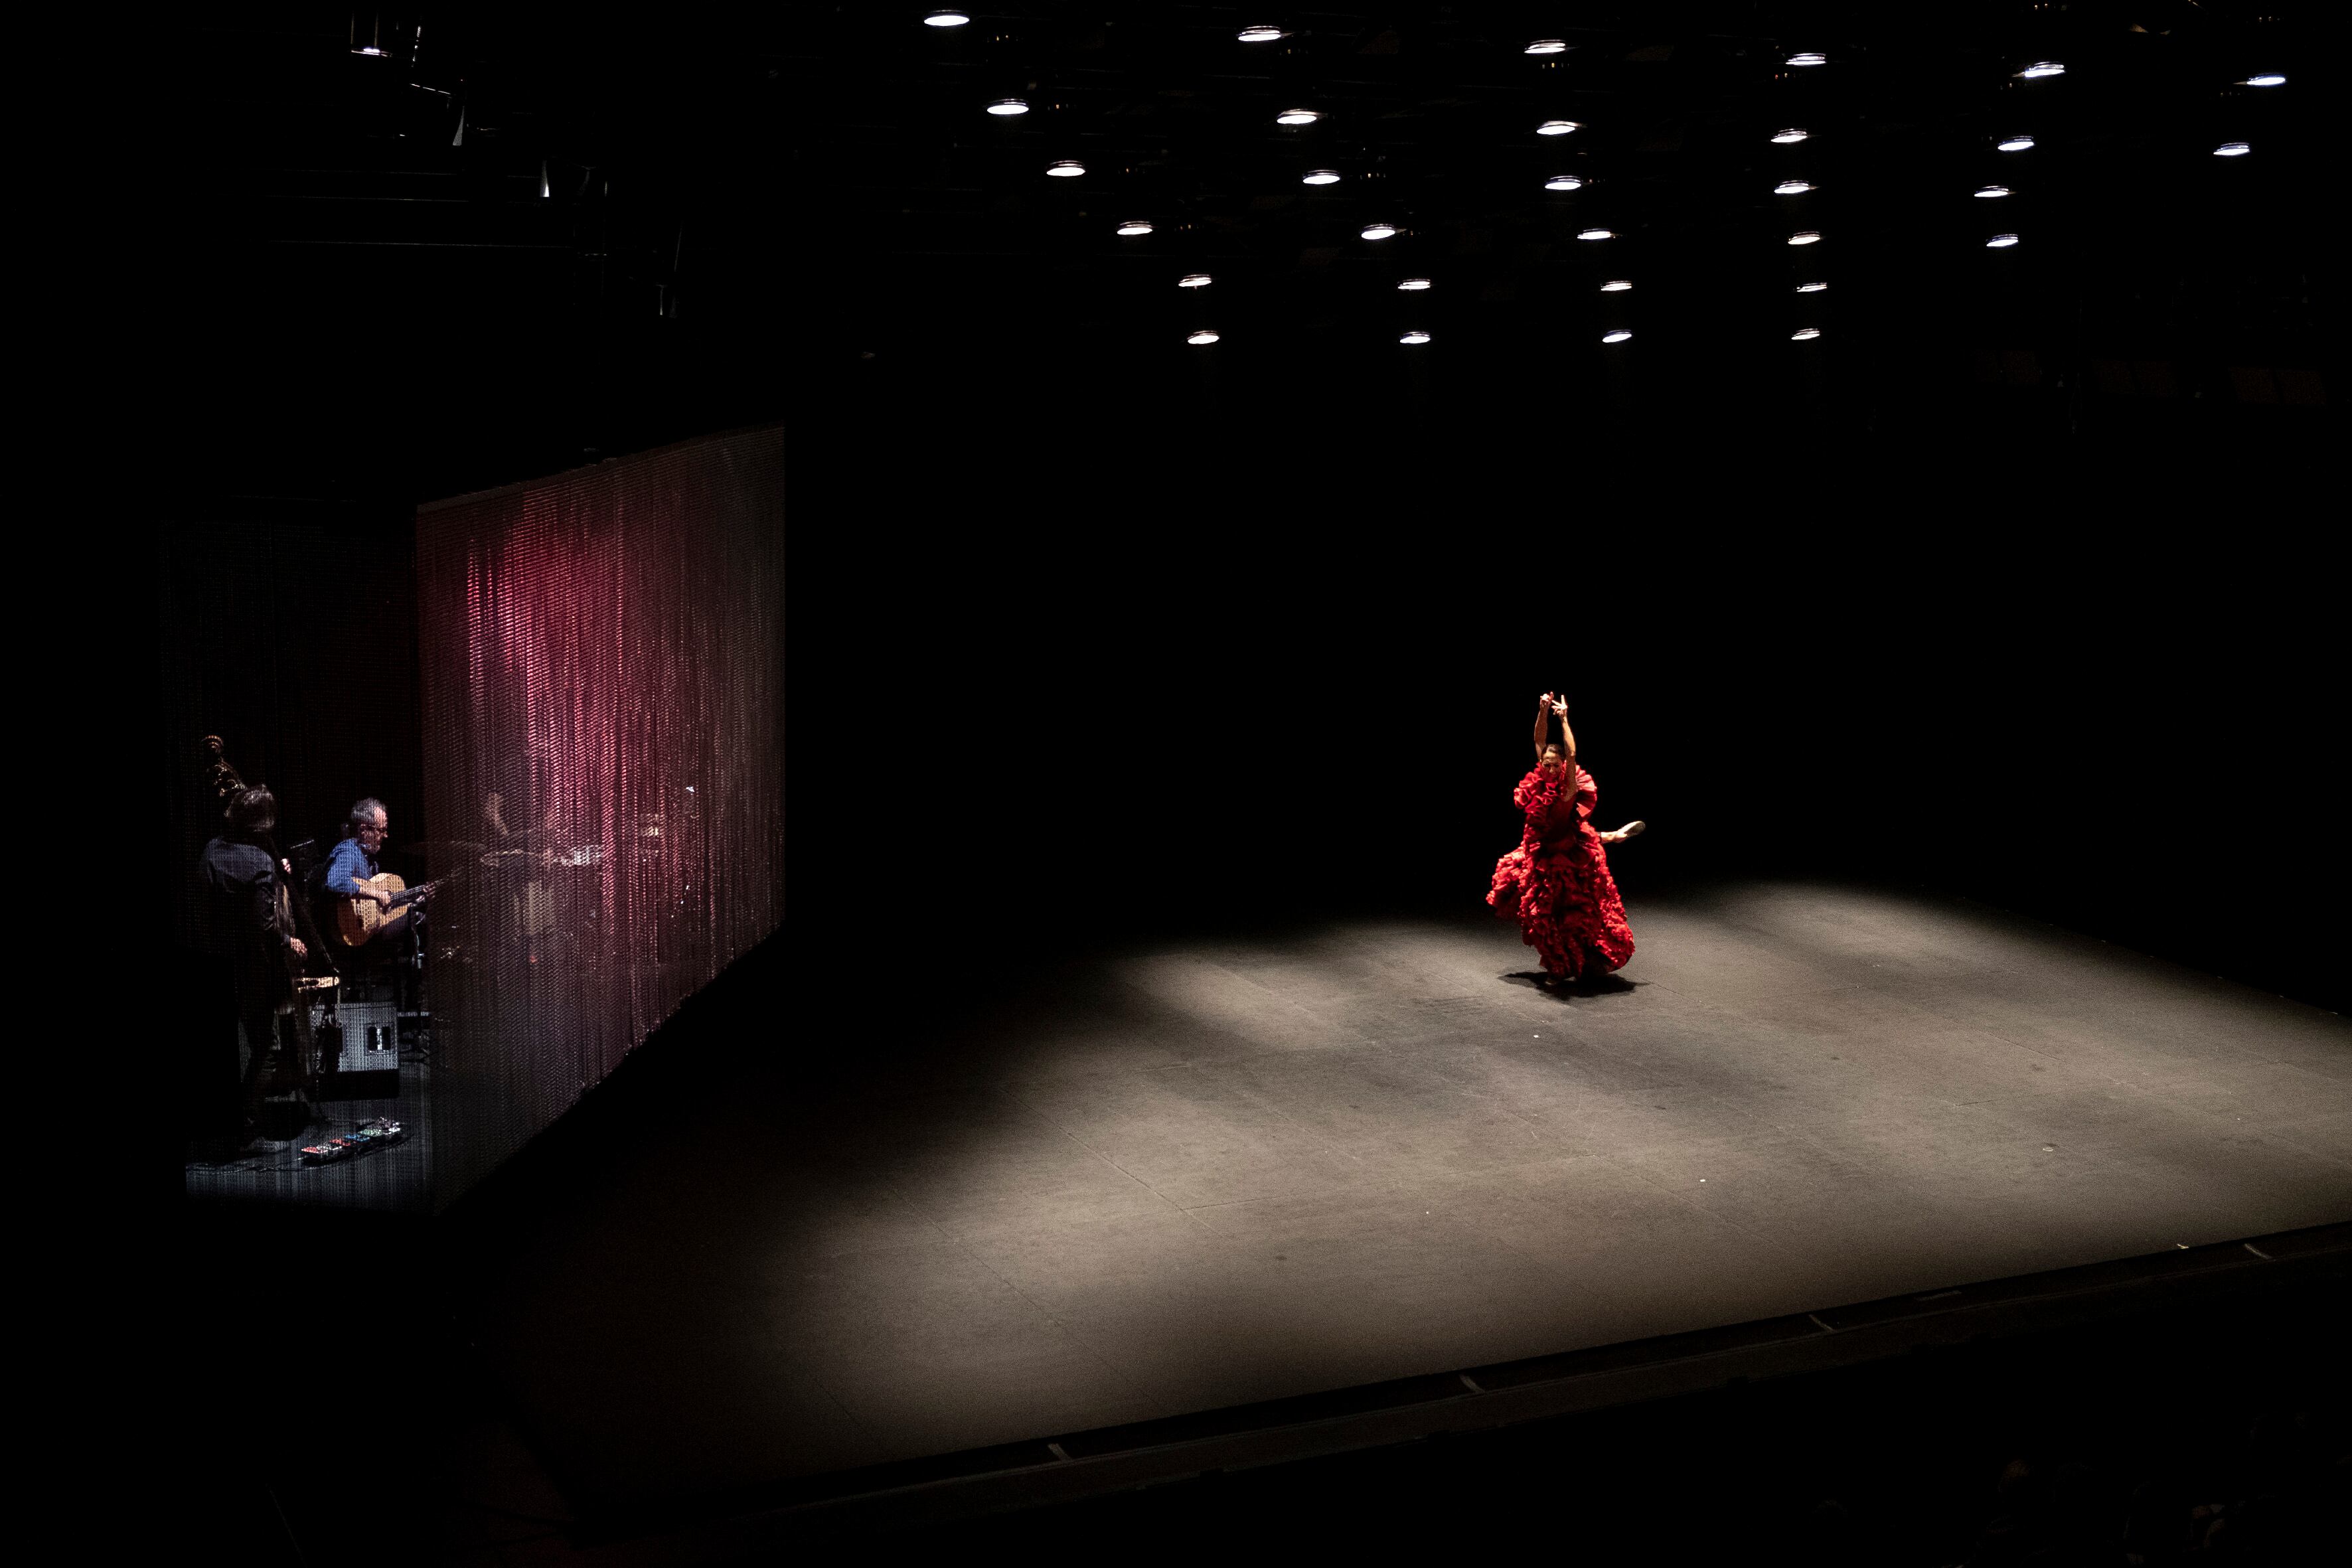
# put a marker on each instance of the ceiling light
(1066, 169)
(1134, 226)
(1319, 177)
(2041, 68)
(1805, 236)
(1258, 33)
(1801, 333)
(2231, 149)
(1297, 117)
(1619, 336)
(1809, 59)
(1993, 190)
(1596, 234)
(2016, 143)
(1202, 336)
(1792, 187)
(1794, 133)
(1379, 230)
(1560, 127)
(2268, 78)
(1193, 280)
(1547, 46)
(1563, 183)
(1413, 285)
(1811, 287)
(1616, 285)
(950, 18)
(1414, 336)
(1008, 106)
(2000, 242)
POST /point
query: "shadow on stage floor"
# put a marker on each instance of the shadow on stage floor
(879, 1223)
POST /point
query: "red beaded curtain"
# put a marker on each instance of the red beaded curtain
(603, 652)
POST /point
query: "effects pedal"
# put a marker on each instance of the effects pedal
(374, 1133)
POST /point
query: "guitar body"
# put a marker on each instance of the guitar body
(360, 921)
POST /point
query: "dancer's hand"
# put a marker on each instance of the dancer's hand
(1560, 706)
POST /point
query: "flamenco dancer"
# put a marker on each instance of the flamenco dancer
(1556, 884)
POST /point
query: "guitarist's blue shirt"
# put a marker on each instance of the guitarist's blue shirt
(346, 866)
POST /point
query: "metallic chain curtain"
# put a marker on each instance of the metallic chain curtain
(603, 660)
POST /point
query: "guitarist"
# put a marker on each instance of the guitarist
(354, 861)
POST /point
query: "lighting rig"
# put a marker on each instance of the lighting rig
(1489, 185)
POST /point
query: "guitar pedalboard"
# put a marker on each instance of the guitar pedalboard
(376, 1132)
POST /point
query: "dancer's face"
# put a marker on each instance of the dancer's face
(1553, 759)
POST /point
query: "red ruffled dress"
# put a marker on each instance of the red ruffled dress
(1556, 884)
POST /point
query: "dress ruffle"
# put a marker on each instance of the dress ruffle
(1556, 884)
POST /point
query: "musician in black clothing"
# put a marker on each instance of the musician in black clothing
(261, 935)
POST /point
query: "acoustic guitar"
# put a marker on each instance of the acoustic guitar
(360, 920)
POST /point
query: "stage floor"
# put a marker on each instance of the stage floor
(397, 1180)
(1198, 1177)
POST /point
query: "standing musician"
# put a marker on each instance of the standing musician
(253, 920)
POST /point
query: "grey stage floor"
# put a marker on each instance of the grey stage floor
(395, 1180)
(1187, 1179)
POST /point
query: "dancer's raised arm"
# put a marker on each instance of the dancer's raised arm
(1554, 704)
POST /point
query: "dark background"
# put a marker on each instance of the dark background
(1093, 633)
(2012, 586)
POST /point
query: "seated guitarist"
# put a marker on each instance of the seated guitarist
(354, 861)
